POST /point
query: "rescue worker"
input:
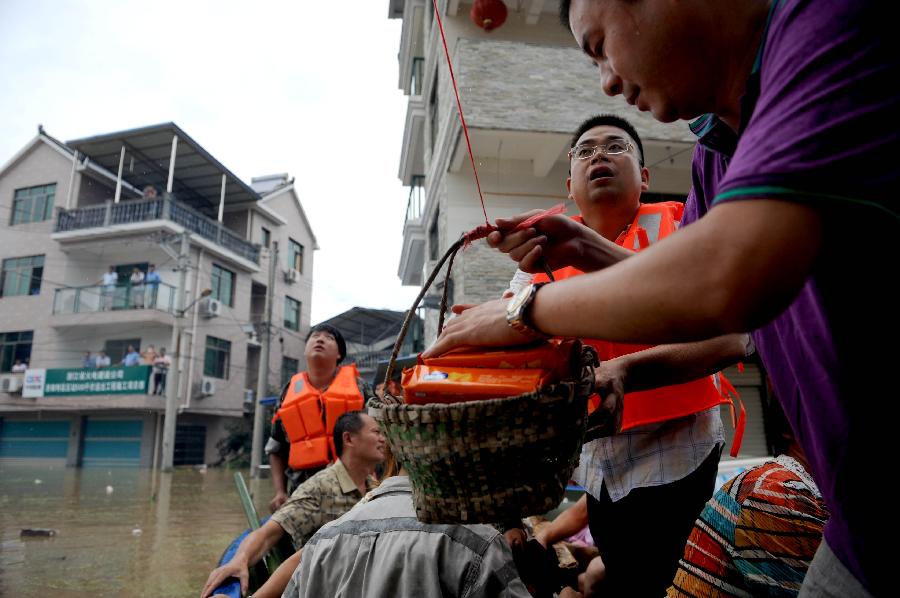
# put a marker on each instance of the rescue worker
(668, 452)
(311, 402)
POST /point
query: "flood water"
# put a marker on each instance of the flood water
(185, 519)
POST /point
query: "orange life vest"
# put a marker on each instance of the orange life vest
(309, 415)
(654, 222)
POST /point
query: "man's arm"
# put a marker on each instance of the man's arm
(278, 581)
(568, 523)
(277, 468)
(658, 366)
(254, 546)
(731, 271)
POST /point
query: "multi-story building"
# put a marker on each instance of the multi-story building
(70, 212)
(524, 87)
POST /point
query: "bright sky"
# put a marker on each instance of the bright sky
(308, 88)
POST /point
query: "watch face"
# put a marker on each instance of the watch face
(518, 299)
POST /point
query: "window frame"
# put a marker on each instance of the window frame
(18, 272)
(288, 370)
(220, 351)
(266, 237)
(295, 249)
(287, 303)
(9, 348)
(28, 196)
(215, 282)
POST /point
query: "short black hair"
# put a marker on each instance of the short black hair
(564, 6)
(335, 333)
(610, 120)
(350, 421)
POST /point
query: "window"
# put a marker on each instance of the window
(217, 357)
(33, 204)
(289, 367)
(22, 276)
(117, 349)
(434, 237)
(266, 237)
(13, 346)
(291, 314)
(434, 114)
(222, 285)
(295, 255)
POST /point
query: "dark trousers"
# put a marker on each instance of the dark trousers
(159, 383)
(642, 536)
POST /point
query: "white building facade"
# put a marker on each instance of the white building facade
(70, 211)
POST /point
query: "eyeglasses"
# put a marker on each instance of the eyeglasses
(586, 152)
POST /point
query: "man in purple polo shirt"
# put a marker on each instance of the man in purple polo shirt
(794, 233)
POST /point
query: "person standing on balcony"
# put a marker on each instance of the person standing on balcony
(161, 366)
(109, 281)
(297, 451)
(132, 357)
(149, 192)
(102, 361)
(88, 361)
(19, 367)
(148, 355)
(151, 282)
(137, 288)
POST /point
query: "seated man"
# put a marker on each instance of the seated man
(380, 549)
(324, 497)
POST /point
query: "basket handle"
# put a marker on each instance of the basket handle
(449, 255)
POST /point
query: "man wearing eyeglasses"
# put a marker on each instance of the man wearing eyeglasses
(795, 232)
(645, 485)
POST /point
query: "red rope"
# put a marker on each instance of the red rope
(437, 13)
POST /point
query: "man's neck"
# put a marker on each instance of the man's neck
(320, 377)
(358, 469)
(609, 220)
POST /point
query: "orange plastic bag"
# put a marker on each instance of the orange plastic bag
(554, 356)
(424, 384)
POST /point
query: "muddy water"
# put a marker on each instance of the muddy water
(152, 535)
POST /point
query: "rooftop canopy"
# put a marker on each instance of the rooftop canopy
(197, 177)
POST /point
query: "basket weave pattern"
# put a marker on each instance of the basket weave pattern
(490, 461)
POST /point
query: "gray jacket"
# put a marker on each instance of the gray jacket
(379, 548)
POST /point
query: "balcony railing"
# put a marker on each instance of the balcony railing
(416, 201)
(100, 298)
(163, 208)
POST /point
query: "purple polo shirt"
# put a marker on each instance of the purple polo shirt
(819, 125)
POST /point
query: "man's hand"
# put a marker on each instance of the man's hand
(478, 326)
(560, 240)
(609, 382)
(515, 537)
(234, 568)
(280, 498)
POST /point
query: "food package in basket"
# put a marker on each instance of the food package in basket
(467, 375)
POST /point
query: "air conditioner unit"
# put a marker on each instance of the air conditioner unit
(253, 339)
(210, 308)
(208, 386)
(291, 276)
(11, 383)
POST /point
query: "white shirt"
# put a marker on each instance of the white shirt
(110, 278)
(20, 368)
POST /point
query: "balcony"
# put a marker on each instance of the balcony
(113, 305)
(158, 209)
(412, 255)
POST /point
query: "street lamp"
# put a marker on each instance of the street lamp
(168, 456)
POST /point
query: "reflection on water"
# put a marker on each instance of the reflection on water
(185, 520)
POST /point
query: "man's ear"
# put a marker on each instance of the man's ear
(645, 178)
(348, 438)
(569, 186)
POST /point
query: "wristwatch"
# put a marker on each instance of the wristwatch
(517, 311)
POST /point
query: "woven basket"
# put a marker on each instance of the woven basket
(488, 461)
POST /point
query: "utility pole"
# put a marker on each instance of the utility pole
(262, 383)
(168, 448)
